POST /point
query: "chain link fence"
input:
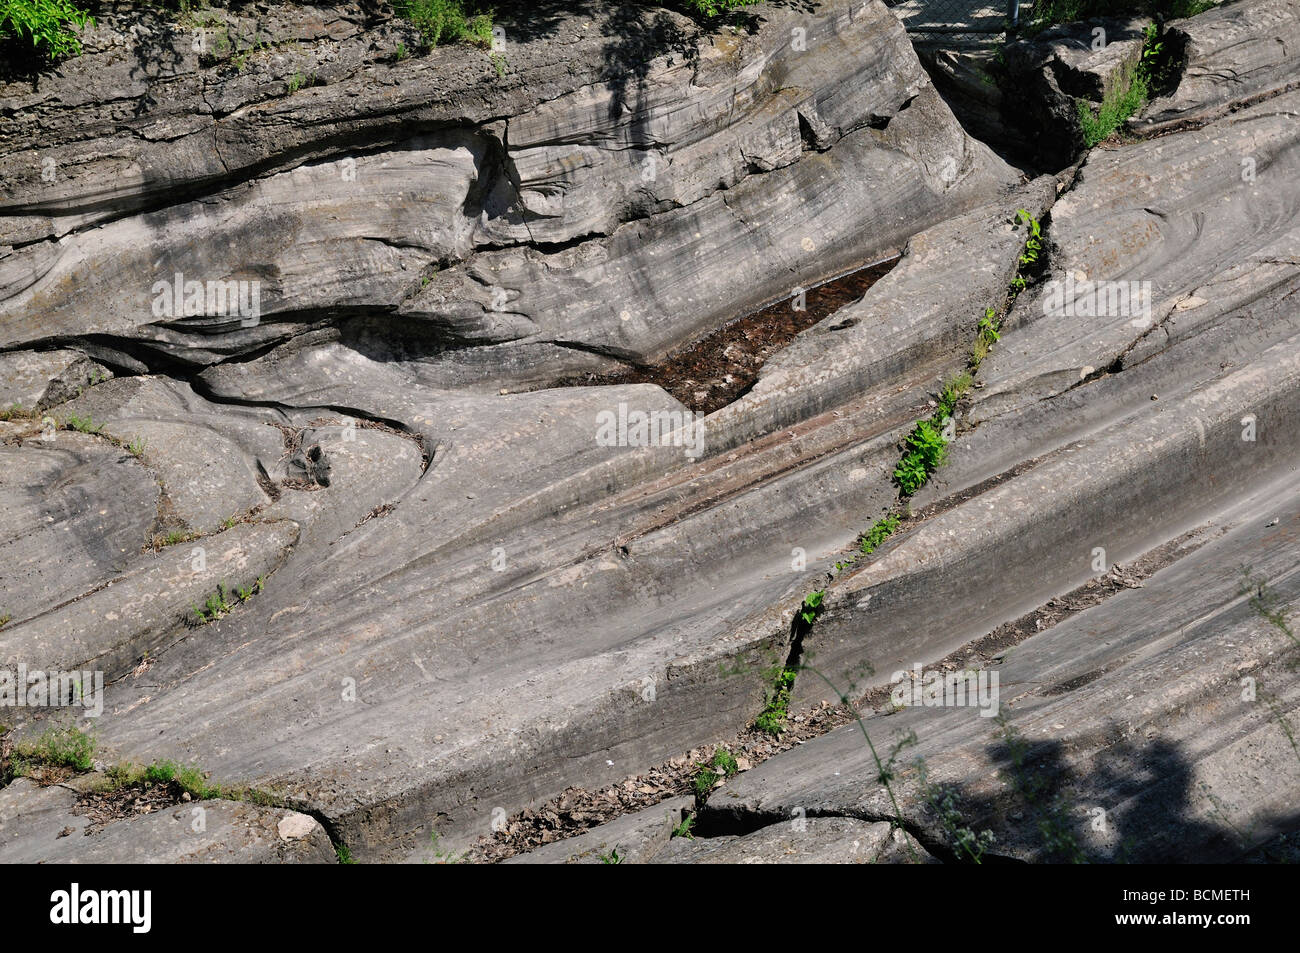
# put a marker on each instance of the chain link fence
(977, 20)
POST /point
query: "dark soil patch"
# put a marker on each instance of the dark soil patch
(107, 806)
(716, 370)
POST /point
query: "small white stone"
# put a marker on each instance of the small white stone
(295, 826)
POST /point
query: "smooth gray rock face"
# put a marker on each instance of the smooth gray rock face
(76, 513)
(25, 376)
(468, 585)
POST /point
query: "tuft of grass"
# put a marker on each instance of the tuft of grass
(172, 538)
(812, 606)
(1266, 603)
(184, 778)
(1123, 101)
(613, 857)
(685, 827)
(64, 747)
(137, 446)
(300, 80)
(956, 387)
(15, 411)
(344, 855)
(82, 424)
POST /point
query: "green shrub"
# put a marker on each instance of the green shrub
(448, 21)
(51, 26)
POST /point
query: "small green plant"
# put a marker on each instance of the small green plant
(613, 857)
(1029, 262)
(51, 26)
(217, 605)
(685, 827)
(15, 412)
(4, 619)
(772, 719)
(988, 332)
(924, 450)
(344, 855)
(137, 446)
(812, 606)
(880, 531)
(400, 53)
(726, 763)
(1034, 243)
(499, 64)
(229, 522)
(240, 59)
(704, 782)
(300, 80)
(82, 424)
